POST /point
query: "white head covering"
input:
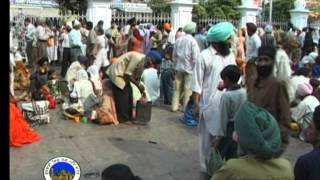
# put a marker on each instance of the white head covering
(76, 23)
(82, 75)
(18, 57)
(93, 70)
(69, 23)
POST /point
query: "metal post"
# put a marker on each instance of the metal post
(270, 12)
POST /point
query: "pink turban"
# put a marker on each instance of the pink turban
(304, 89)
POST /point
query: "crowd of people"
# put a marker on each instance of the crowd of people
(246, 88)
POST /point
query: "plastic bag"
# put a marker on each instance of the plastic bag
(215, 162)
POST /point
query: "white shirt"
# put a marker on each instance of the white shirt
(205, 81)
(152, 83)
(41, 33)
(65, 41)
(294, 82)
(101, 59)
(253, 44)
(171, 37)
(30, 33)
(306, 106)
(102, 41)
(185, 53)
(282, 68)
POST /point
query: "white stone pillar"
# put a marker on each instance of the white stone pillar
(299, 15)
(181, 13)
(99, 10)
(248, 14)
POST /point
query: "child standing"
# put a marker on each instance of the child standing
(231, 100)
(167, 75)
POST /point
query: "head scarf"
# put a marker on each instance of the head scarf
(76, 23)
(304, 89)
(167, 27)
(155, 55)
(137, 35)
(18, 57)
(82, 75)
(258, 131)
(268, 28)
(93, 70)
(267, 51)
(190, 28)
(69, 23)
(220, 32)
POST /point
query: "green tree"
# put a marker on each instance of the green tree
(220, 8)
(280, 9)
(76, 6)
(160, 6)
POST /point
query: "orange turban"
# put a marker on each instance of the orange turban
(167, 26)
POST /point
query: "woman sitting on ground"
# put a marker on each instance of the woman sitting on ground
(20, 132)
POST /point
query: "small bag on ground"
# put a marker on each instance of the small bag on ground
(36, 112)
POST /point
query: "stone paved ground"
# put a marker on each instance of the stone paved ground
(173, 156)
(172, 153)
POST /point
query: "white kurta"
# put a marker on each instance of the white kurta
(205, 81)
(305, 107)
(152, 83)
(282, 68)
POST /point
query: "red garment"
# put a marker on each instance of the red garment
(52, 102)
(20, 132)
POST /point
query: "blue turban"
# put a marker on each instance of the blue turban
(155, 55)
(268, 28)
(190, 28)
(220, 32)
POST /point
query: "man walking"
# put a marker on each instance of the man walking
(31, 42)
(185, 53)
(75, 41)
(205, 82)
(42, 34)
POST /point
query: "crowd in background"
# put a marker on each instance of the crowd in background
(246, 89)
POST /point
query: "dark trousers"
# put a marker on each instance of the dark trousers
(228, 147)
(167, 86)
(66, 61)
(29, 49)
(124, 102)
(75, 53)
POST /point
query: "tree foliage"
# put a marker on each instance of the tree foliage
(280, 9)
(221, 8)
(160, 6)
(76, 6)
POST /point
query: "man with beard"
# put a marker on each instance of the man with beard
(271, 93)
(205, 82)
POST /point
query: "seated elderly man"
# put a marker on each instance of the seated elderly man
(75, 67)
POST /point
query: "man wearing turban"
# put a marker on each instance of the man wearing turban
(258, 136)
(270, 93)
(205, 81)
(185, 53)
